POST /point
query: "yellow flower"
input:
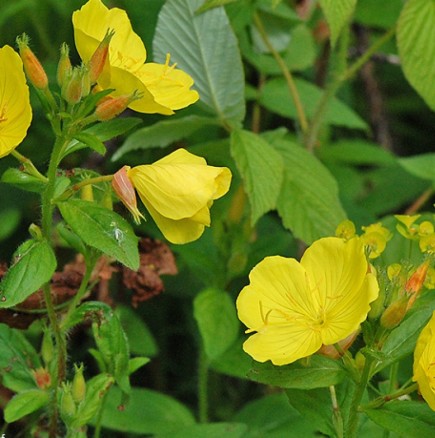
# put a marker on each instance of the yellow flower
(295, 308)
(164, 88)
(406, 226)
(178, 191)
(424, 363)
(15, 109)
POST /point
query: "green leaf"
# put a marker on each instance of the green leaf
(205, 47)
(210, 4)
(140, 338)
(136, 363)
(215, 314)
(88, 311)
(415, 40)
(91, 141)
(337, 14)
(102, 229)
(9, 219)
(318, 373)
(17, 359)
(407, 418)
(25, 403)
(209, 430)
(422, 166)
(163, 413)
(96, 388)
(33, 265)
(261, 168)
(22, 180)
(276, 97)
(163, 133)
(308, 202)
(373, 13)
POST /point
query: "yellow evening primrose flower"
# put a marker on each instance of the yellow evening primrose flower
(15, 109)
(296, 307)
(424, 363)
(163, 87)
(406, 226)
(178, 191)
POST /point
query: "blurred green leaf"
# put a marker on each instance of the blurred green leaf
(215, 314)
(164, 414)
(162, 134)
(422, 166)
(33, 264)
(337, 14)
(318, 373)
(136, 363)
(415, 40)
(276, 97)
(210, 4)
(205, 47)
(9, 220)
(102, 229)
(308, 202)
(25, 403)
(261, 168)
(374, 13)
(209, 430)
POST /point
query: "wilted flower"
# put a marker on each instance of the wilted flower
(295, 308)
(15, 109)
(163, 88)
(424, 363)
(178, 191)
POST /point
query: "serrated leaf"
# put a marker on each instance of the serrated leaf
(205, 47)
(422, 166)
(320, 372)
(308, 203)
(261, 168)
(163, 133)
(337, 14)
(407, 418)
(215, 314)
(33, 265)
(102, 229)
(415, 40)
(25, 403)
(276, 97)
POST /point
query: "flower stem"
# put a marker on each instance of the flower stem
(337, 419)
(29, 166)
(202, 387)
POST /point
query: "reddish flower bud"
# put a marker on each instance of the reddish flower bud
(99, 58)
(123, 187)
(344, 344)
(42, 378)
(33, 68)
(415, 283)
(64, 67)
(110, 108)
(394, 313)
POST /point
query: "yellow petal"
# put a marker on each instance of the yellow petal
(15, 109)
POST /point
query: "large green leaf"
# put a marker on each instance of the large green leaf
(163, 133)
(408, 418)
(25, 403)
(319, 372)
(215, 314)
(33, 265)
(261, 168)
(308, 202)
(276, 97)
(204, 46)
(337, 14)
(147, 412)
(102, 229)
(415, 40)
(422, 166)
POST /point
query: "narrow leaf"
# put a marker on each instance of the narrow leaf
(205, 47)
(102, 229)
(33, 265)
(415, 40)
(25, 403)
(261, 168)
(91, 141)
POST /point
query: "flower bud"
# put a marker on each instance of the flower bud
(110, 108)
(78, 387)
(415, 283)
(344, 344)
(33, 68)
(64, 67)
(76, 85)
(394, 313)
(99, 58)
(42, 378)
(47, 347)
(123, 187)
(87, 193)
(67, 405)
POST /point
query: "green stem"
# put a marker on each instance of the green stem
(29, 166)
(76, 187)
(202, 387)
(99, 419)
(379, 401)
(286, 73)
(332, 88)
(337, 418)
(352, 423)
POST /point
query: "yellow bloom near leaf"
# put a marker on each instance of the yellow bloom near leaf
(296, 307)
(178, 191)
(163, 87)
(15, 109)
(424, 363)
